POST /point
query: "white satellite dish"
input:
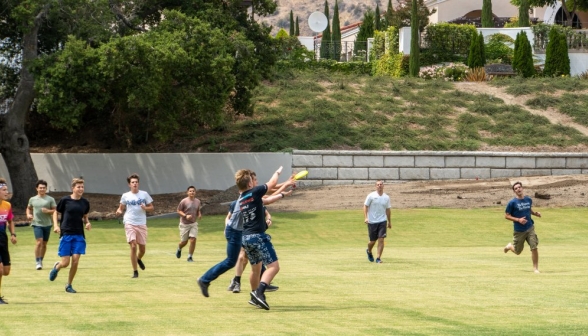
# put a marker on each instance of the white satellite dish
(317, 22)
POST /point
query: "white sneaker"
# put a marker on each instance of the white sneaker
(39, 266)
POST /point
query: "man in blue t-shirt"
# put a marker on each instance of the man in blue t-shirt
(519, 211)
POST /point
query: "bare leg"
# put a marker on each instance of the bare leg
(270, 272)
(535, 258)
(182, 244)
(133, 245)
(371, 245)
(192, 245)
(74, 267)
(39, 248)
(241, 263)
(255, 276)
(380, 247)
(141, 251)
(43, 250)
(63, 263)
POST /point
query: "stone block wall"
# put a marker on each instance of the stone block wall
(357, 167)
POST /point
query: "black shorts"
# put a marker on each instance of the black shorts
(377, 230)
(4, 255)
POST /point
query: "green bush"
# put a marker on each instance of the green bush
(476, 56)
(498, 49)
(557, 60)
(447, 42)
(389, 65)
(379, 47)
(523, 56)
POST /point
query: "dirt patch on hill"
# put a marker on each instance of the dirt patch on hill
(563, 191)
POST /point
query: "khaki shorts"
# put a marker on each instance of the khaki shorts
(188, 231)
(137, 233)
(519, 238)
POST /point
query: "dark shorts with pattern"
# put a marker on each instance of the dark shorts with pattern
(519, 238)
(259, 248)
(377, 230)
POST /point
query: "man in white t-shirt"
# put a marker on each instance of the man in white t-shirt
(136, 203)
(376, 211)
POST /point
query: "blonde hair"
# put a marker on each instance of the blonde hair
(243, 178)
(76, 180)
(2, 180)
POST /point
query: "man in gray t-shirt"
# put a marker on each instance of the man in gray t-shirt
(39, 212)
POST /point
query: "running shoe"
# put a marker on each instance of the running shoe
(54, 271)
(141, 264)
(190, 259)
(39, 266)
(260, 300)
(203, 287)
(2, 300)
(179, 253)
(69, 289)
(370, 256)
(271, 288)
(232, 285)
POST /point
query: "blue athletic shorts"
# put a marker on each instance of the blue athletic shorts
(259, 248)
(70, 245)
(42, 232)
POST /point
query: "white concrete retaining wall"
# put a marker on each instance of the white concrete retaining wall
(168, 173)
(358, 167)
(160, 173)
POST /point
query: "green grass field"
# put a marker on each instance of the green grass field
(444, 274)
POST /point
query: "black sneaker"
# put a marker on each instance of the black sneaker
(271, 288)
(135, 274)
(179, 253)
(260, 300)
(253, 303)
(140, 263)
(2, 300)
(203, 287)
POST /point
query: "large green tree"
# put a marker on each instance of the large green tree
(487, 17)
(557, 59)
(569, 7)
(74, 46)
(523, 56)
(403, 14)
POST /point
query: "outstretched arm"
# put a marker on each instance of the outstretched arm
(271, 184)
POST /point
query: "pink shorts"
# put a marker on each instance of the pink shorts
(137, 233)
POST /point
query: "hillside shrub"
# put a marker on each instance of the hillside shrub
(453, 72)
(498, 49)
(523, 56)
(446, 42)
(557, 60)
(389, 65)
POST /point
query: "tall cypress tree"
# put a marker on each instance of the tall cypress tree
(297, 32)
(326, 39)
(292, 28)
(525, 65)
(414, 66)
(475, 58)
(517, 55)
(557, 60)
(487, 18)
(482, 47)
(336, 33)
(366, 30)
(378, 16)
(524, 14)
(389, 17)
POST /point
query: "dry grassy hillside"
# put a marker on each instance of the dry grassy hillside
(350, 11)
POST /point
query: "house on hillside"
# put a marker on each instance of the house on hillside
(464, 10)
